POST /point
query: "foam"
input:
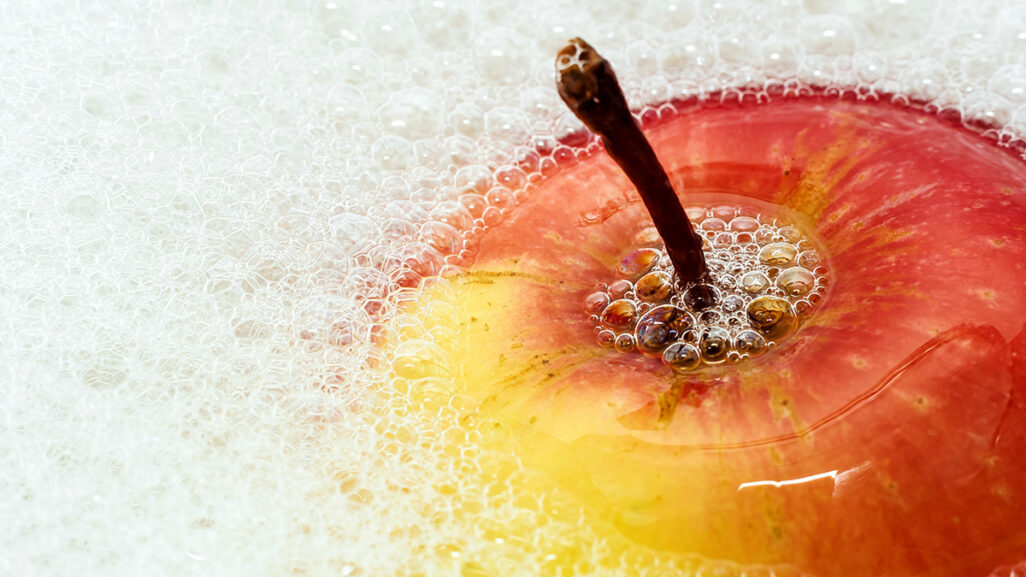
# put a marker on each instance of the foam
(195, 197)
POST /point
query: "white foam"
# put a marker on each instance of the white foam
(194, 193)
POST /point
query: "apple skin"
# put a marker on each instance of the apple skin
(886, 437)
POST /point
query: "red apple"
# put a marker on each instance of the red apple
(886, 437)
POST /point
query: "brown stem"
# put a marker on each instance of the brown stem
(589, 88)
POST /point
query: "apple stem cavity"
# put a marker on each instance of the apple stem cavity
(588, 85)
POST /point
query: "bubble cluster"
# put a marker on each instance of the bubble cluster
(766, 277)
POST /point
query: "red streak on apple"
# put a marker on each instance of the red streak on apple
(886, 437)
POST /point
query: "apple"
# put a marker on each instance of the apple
(886, 436)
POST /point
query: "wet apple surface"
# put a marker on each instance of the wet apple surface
(884, 437)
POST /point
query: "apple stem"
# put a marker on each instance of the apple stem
(588, 86)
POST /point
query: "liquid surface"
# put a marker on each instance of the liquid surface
(206, 208)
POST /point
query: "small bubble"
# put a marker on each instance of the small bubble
(724, 212)
(624, 342)
(682, 357)
(744, 224)
(596, 302)
(764, 235)
(750, 342)
(710, 317)
(606, 339)
(809, 259)
(778, 254)
(637, 262)
(803, 309)
(796, 281)
(723, 240)
(790, 234)
(732, 304)
(619, 288)
(714, 345)
(754, 282)
(714, 224)
(620, 314)
(696, 214)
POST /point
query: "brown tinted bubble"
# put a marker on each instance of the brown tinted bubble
(771, 316)
(750, 342)
(682, 357)
(624, 342)
(661, 327)
(701, 296)
(714, 345)
(620, 314)
(654, 287)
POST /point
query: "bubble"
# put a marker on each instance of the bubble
(796, 281)
(392, 152)
(714, 345)
(443, 237)
(750, 343)
(618, 288)
(620, 314)
(754, 282)
(732, 304)
(828, 35)
(412, 113)
(637, 262)
(606, 339)
(467, 119)
(778, 254)
(744, 224)
(654, 287)
(682, 357)
(660, 327)
(390, 32)
(438, 22)
(507, 124)
(596, 302)
(809, 259)
(714, 224)
(696, 214)
(624, 342)
(499, 56)
(790, 234)
(352, 231)
(765, 235)
(696, 55)
(701, 296)
(723, 240)
(452, 213)
(771, 316)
